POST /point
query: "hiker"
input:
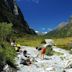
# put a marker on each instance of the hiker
(18, 45)
(38, 51)
(25, 53)
(13, 43)
(26, 61)
(18, 49)
(38, 48)
(43, 51)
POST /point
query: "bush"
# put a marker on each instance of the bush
(2, 61)
(5, 29)
(7, 51)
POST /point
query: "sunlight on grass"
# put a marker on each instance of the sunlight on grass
(36, 41)
(63, 42)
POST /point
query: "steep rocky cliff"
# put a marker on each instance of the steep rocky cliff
(11, 13)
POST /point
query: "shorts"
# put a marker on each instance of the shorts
(43, 51)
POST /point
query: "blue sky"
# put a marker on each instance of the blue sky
(44, 15)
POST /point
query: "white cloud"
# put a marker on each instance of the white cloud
(37, 31)
(45, 32)
(49, 29)
(41, 33)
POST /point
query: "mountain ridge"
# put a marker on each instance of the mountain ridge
(11, 13)
(64, 30)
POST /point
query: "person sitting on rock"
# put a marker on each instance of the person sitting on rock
(26, 61)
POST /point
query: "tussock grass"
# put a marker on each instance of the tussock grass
(30, 41)
(63, 42)
(36, 41)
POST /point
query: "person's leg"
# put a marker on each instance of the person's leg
(43, 56)
(38, 54)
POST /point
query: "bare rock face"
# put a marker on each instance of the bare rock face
(11, 13)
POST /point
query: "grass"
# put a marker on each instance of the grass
(63, 42)
(30, 41)
(36, 41)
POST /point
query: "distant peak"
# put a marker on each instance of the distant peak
(61, 25)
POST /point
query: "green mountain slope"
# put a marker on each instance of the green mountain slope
(63, 30)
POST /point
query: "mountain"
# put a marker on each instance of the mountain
(11, 13)
(64, 29)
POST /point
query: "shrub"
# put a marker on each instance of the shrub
(7, 51)
(5, 29)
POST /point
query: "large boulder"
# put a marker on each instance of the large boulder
(49, 41)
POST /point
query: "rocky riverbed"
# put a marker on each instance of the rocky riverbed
(54, 63)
